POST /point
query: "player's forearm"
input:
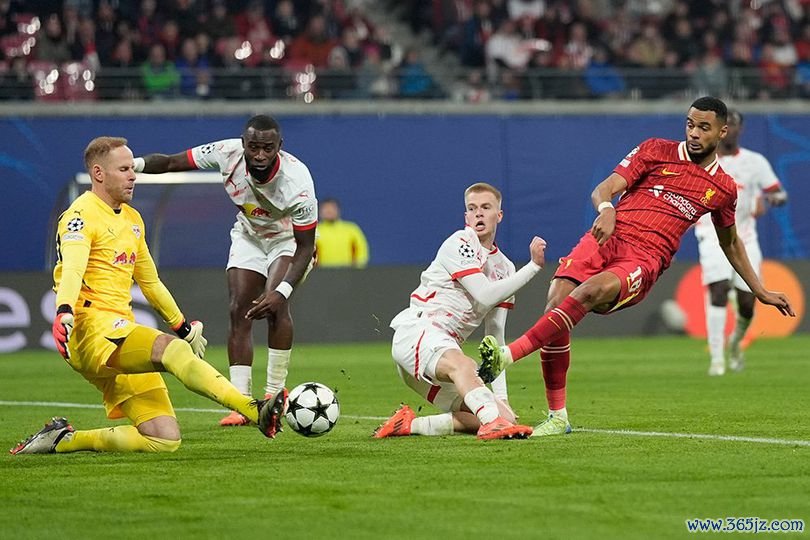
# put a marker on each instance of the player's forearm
(74, 263)
(737, 256)
(300, 262)
(162, 301)
(162, 163)
(491, 293)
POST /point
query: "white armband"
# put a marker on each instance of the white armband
(140, 163)
(284, 289)
(603, 205)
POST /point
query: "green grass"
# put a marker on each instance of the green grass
(233, 483)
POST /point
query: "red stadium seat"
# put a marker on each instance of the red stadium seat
(14, 45)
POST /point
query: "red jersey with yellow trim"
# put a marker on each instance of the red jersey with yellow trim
(269, 210)
(667, 193)
(442, 300)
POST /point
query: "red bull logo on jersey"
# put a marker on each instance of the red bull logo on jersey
(124, 258)
(254, 211)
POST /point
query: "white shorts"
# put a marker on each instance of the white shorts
(416, 349)
(715, 266)
(251, 253)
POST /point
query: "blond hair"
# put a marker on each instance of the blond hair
(480, 187)
(99, 148)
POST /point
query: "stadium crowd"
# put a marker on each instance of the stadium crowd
(308, 49)
(597, 48)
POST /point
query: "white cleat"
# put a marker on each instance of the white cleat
(45, 440)
(717, 369)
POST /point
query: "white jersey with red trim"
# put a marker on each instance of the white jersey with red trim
(753, 175)
(442, 300)
(269, 210)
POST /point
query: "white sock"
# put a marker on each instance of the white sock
(560, 413)
(481, 401)
(507, 353)
(241, 378)
(278, 361)
(499, 387)
(739, 332)
(715, 328)
(436, 424)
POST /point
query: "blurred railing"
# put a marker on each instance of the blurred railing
(44, 81)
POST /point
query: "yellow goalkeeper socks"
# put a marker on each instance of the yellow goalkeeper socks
(199, 376)
(114, 439)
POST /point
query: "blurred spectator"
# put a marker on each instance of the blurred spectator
(775, 77)
(711, 76)
(51, 44)
(648, 49)
(803, 76)
(286, 23)
(160, 77)
(16, 83)
(533, 9)
(106, 36)
(506, 49)
(374, 77)
(313, 46)
(350, 43)
(510, 86)
(84, 47)
(220, 23)
(170, 39)
(254, 26)
(473, 89)
(338, 80)
(414, 80)
(476, 32)
(602, 78)
(195, 73)
(121, 79)
(340, 243)
(7, 24)
(149, 23)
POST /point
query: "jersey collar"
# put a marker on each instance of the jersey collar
(683, 154)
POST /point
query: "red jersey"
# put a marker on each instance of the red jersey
(666, 194)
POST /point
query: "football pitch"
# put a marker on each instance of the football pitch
(629, 470)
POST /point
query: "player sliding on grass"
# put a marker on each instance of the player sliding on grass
(101, 250)
(666, 186)
(468, 282)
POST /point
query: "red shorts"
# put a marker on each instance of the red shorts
(637, 271)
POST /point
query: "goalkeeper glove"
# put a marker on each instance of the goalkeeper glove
(193, 333)
(62, 327)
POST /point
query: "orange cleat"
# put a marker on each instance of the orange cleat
(399, 425)
(501, 428)
(234, 419)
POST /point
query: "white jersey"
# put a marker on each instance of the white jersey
(753, 175)
(270, 210)
(442, 300)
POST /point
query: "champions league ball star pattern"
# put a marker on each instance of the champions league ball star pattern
(75, 225)
(313, 409)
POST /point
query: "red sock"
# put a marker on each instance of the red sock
(560, 320)
(555, 359)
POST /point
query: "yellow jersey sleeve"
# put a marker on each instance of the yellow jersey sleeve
(73, 242)
(359, 246)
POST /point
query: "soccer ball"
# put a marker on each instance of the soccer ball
(313, 409)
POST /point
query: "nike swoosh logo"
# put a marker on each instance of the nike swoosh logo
(665, 172)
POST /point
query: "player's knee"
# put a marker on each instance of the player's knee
(160, 445)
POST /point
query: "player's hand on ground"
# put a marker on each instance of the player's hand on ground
(778, 300)
(537, 250)
(193, 334)
(604, 225)
(62, 327)
(265, 305)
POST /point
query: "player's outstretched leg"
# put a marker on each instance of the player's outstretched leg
(399, 425)
(494, 359)
(45, 440)
(555, 424)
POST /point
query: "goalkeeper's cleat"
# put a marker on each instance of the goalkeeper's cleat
(553, 425)
(45, 440)
(717, 369)
(501, 428)
(286, 397)
(234, 419)
(494, 359)
(270, 413)
(399, 425)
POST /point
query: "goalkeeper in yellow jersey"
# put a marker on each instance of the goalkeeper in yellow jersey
(101, 249)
